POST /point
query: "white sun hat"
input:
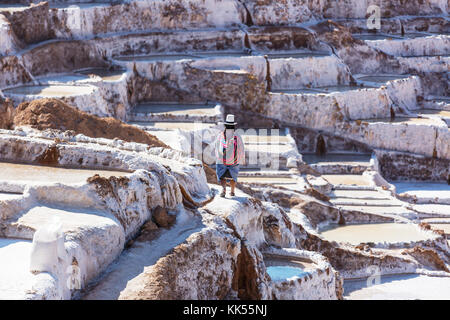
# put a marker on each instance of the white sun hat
(230, 120)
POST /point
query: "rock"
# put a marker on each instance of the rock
(149, 226)
(162, 218)
(320, 184)
(149, 232)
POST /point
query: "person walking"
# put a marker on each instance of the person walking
(230, 154)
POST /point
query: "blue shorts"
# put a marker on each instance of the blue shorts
(223, 171)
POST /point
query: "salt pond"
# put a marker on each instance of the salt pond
(32, 173)
(399, 287)
(280, 273)
(376, 233)
(50, 90)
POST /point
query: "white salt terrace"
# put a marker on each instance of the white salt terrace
(342, 181)
(377, 36)
(442, 226)
(441, 210)
(424, 191)
(436, 103)
(12, 7)
(275, 178)
(399, 287)
(382, 210)
(443, 220)
(268, 148)
(359, 194)
(406, 120)
(49, 91)
(440, 223)
(409, 44)
(9, 196)
(322, 90)
(81, 5)
(338, 162)
(212, 54)
(296, 54)
(351, 191)
(72, 219)
(106, 75)
(78, 226)
(229, 54)
(267, 138)
(81, 76)
(384, 36)
(381, 78)
(366, 202)
(174, 111)
(15, 277)
(43, 174)
(356, 193)
(375, 233)
(141, 255)
(156, 57)
(78, 4)
(172, 125)
(441, 114)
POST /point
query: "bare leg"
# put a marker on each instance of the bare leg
(233, 186)
(223, 182)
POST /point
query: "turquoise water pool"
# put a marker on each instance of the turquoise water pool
(280, 273)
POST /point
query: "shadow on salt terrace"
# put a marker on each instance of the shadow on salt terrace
(181, 56)
(224, 53)
(71, 4)
(405, 120)
(5, 242)
(422, 188)
(325, 90)
(142, 254)
(387, 36)
(362, 158)
(428, 56)
(85, 75)
(381, 78)
(84, 5)
(168, 107)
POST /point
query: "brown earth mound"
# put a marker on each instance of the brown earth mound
(54, 114)
(6, 114)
